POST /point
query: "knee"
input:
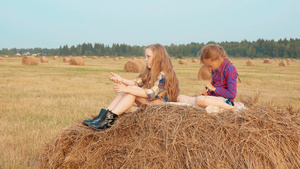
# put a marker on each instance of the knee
(181, 98)
(200, 101)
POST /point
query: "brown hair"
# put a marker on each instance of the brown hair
(161, 62)
(212, 52)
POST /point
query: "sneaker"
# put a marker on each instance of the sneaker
(212, 109)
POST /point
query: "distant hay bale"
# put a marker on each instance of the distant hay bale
(55, 57)
(133, 58)
(182, 62)
(267, 61)
(134, 66)
(250, 63)
(1, 58)
(116, 58)
(66, 59)
(77, 61)
(204, 73)
(6, 56)
(29, 60)
(194, 61)
(106, 57)
(44, 59)
(282, 63)
(121, 57)
(84, 57)
(288, 60)
(94, 57)
(293, 60)
(172, 136)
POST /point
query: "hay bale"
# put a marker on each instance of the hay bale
(55, 57)
(94, 57)
(106, 57)
(194, 61)
(84, 57)
(135, 66)
(121, 57)
(29, 60)
(66, 59)
(116, 58)
(250, 63)
(173, 136)
(182, 62)
(44, 59)
(1, 58)
(267, 61)
(282, 63)
(293, 60)
(6, 56)
(204, 73)
(77, 61)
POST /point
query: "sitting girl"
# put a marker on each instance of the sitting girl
(156, 83)
(222, 89)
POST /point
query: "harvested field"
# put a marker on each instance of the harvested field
(39, 103)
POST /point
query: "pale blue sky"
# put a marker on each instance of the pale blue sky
(51, 23)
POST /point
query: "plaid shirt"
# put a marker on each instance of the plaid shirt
(154, 92)
(224, 80)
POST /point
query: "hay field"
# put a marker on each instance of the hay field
(38, 101)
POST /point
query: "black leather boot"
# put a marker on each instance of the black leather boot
(98, 118)
(106, 122)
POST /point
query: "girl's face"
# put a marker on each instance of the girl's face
(149, 58)
(213, 64)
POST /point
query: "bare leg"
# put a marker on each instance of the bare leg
(124, 104)
(187, 99)
(114, 103)
(204, 101)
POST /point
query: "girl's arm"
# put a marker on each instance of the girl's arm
(118, 79)
(134, 90)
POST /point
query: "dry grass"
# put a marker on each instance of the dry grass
(39, 102)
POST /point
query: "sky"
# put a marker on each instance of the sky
(55, 23)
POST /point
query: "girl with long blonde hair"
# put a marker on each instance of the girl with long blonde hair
(156, 83)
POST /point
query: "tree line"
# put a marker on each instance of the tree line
(283, 48)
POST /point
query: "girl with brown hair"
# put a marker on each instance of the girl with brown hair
(156, 83)
(222, 89)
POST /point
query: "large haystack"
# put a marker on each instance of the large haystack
(267, 61)
(44, 59)
(135, 66)
(29, 60)
(182, 62)
(173, 136)
(55, 57)
(282, 63)
(77, 61)
(250, 63)
(204, 73)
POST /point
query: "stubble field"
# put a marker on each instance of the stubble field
(39, 101)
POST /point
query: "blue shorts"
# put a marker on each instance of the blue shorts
(227, 101)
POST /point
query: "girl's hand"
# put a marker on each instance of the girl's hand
(115, 78)
(210, 87)
(119, 88)
(203, 94)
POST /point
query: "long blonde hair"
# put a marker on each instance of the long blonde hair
(161, 62)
